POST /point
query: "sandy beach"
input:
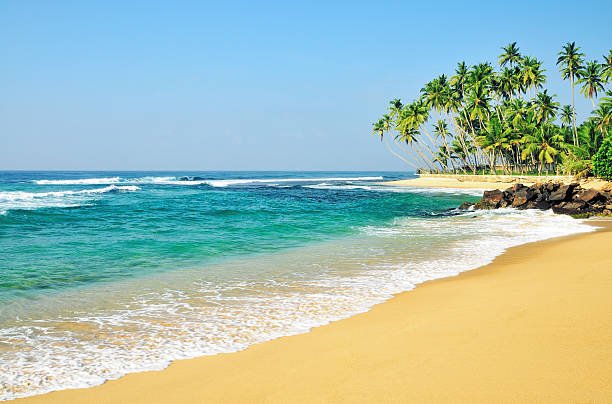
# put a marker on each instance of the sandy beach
(533, 326)
(448, 182)
(487, 182)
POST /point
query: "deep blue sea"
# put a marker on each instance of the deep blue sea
(106, 273)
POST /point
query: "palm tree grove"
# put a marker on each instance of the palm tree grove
(502, 120)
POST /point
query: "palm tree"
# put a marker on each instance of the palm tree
(441, 132)
(494, 139)
(591, 81)
(566, 115)
(486, 117)
(532, 73)
(606, 67)
(544, 107)
(544, 143)
(516, 111)
(507, 83)
(477, 103)
(510, 55)
(603, 114)
(570, 62)
(435, 93)
(395, 107)
(460, 78)
(384, 125)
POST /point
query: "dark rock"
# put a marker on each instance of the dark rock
(490, 200)
(562, 194)
(569, 208)
(465, 206)
(543, 205)
(589, 195)
(551, 186)
(522, 196)
(516, 187)
(568, 199)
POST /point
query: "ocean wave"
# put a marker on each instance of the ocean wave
(245, 181)
(22, 200)
(396, 189)
(84, 181)
(195, 180)
(197, 317)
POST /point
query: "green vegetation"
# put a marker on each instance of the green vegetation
(602, 162)
(492, 121)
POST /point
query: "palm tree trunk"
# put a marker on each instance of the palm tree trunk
(576, 143)
(399, 156)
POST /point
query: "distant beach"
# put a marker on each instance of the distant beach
(488, 182)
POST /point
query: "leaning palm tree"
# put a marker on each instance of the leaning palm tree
(460, 78)
(606, 67)
(570, 62)
(510, 55)
(591, 81)
(395, 107)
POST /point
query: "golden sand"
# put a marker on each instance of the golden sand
(533, 326)
(492, 181)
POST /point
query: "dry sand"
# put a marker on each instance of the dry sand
(491, 181)
(533, 326)
(446, 182)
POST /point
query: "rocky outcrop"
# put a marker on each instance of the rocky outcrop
(569, 199)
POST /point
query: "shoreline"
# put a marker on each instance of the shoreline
(489, 182)
(298, 368)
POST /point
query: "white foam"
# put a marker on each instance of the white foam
(21, 200)
(323, 283)
(212, 182)
(84, 181)
(226, 183)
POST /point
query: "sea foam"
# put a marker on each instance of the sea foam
(22, 200)
(173, 180)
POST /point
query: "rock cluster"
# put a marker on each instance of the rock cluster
(570, 199)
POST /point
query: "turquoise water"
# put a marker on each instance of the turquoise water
(105, 273)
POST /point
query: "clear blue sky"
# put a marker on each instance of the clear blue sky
(237, 85)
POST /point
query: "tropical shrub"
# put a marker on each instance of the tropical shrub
(602, 162)
(574, 165)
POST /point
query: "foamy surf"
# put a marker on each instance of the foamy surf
(21, 200)
(192, 181)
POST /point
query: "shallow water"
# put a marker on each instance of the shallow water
(102, 274)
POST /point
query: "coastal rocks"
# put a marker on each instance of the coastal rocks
(490, 200)
(569, 199)
(561, 194)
